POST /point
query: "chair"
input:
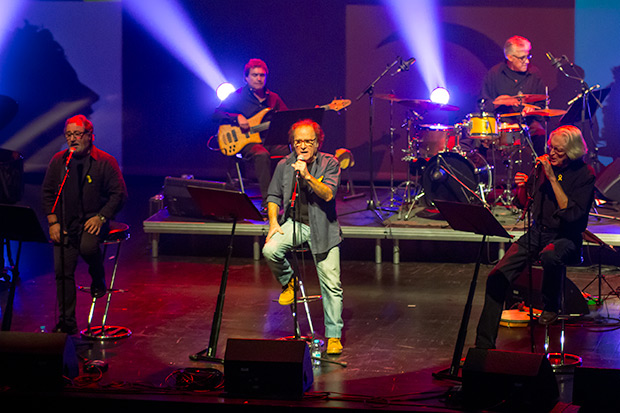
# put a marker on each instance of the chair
(346, 160)
(119, 232)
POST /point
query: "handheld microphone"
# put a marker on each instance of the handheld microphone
(405, 65)
(71, 151)
(554, 61)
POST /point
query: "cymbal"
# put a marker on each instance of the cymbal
(426, 105)
(547, 112)
(388, 96)
(525, 98)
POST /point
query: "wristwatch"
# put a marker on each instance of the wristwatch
(102, 218)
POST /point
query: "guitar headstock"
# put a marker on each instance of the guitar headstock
(338, 104)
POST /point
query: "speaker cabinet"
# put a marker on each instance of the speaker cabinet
(608, 181)
(508, 381)
(36, 360)
(275, 369)
(594, 389)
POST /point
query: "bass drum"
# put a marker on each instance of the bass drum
(444, 171)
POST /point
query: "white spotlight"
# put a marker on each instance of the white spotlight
(440, 95)
(224, 90)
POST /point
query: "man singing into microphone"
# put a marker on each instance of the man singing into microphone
(559, 195)
(82, 190)
(304, 185)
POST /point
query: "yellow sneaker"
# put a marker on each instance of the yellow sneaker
(287, 296)
(334, 346)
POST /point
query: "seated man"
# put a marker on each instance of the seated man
(559, 193)
(304, 185)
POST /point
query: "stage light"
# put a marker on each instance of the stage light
(224, 90)
(9, 12)
(170, 25)
(418, 22)
(440, 95)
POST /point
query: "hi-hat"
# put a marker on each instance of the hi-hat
(388, 96)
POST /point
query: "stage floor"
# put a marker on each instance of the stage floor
(401, 321)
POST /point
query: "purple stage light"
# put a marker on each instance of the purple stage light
(9, 12)
(224, 90)
(440, 95)
(418, 22)
(170, 25)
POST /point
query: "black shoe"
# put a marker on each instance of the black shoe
(547, 318)
(98, 289)
(63, 328)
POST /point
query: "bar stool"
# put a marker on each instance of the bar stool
(119, 232)
(562, 361)
(303, 298)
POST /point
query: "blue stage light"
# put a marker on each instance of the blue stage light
(224, 90)
(418, 23)
(171, 26)
(9, 12)
(440, 95)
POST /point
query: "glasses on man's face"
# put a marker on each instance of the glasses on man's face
(308, 142)
(558, 151)
(522, 58)
(77, 134)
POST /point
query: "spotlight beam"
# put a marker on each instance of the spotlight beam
(170, 25)
(418, 22)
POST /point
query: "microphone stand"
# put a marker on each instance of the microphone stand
(373, 203)
(63, 238)
(585, 94)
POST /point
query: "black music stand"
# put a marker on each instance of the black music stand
(282, 121)
(221, 204)
(479, 220)
(17, 223)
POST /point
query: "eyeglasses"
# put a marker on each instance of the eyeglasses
(559, 152)
(308, 142)
(77, 134)
(522, 58)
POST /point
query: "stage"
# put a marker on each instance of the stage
(401, 319)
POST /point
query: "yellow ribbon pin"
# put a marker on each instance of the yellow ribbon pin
(559, 177)
(89, 179)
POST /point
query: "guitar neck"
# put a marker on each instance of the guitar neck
(260, 127)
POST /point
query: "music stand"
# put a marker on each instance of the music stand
(221, 204)
(576, 110)
(17, 223)
(479, 220)
(282, 121)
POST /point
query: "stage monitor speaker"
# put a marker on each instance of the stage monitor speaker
(608, 181)
(594, 389)
(36, 360)
(508, 381)
(273, 369)
(576, 303)
(177, 197)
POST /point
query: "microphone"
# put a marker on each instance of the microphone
(71, 151)
(405, 65)
(554, 61)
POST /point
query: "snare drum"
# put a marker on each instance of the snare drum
(509, 134)
(482, 125)
(433, 139)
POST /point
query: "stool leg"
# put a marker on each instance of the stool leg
(107, 305)
(306, 306)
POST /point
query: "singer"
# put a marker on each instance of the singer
(559, 194)
(93, 192)
(509, 78)
(313, 178)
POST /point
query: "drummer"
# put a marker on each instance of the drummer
(513, 77)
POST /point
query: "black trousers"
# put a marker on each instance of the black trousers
(88, 247)
(553, 252)
(261, 156)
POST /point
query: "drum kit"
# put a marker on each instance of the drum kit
(473, 161)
